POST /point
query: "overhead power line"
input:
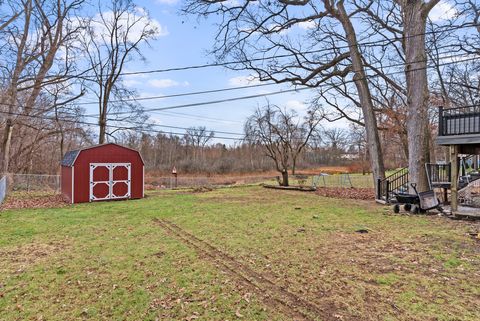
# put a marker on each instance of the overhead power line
(244, 97)
(195, 117)
(181, 94)
(231, 99)
(229, 89)
(115, 126)
(379, 42)
(153, 110)
(292, 90)
(172, 127)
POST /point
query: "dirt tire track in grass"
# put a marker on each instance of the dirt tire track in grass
(272, 295)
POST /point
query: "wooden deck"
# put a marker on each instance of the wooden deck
(465, 212)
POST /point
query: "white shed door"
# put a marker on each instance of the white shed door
(109, 181)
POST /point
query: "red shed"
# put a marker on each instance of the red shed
(102, 172)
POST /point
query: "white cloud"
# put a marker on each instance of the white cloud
(296, 105)
(243, 81)
(276, 28)
(166, 83)
(139, 21)
(307, 25)
(442, 11)
(100, 28)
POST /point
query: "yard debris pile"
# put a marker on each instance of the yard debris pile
(351, 193)
(291, 187)
(25, 200)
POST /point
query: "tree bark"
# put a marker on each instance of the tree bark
(7, 142)
(415, 15)
(103, 131)
(361, 83)
(285, 178)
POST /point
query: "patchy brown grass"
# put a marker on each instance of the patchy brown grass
(243, 253)
(19, 258)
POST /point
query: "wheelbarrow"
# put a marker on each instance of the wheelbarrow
(428, 201)
(409, 202)
(420, 202)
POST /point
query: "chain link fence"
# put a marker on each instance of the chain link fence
(34, 182)
(343, 181)
(3, 188)
(198, 181)
(337, 181)
(51, 183)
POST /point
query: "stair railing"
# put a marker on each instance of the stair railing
(391, 184)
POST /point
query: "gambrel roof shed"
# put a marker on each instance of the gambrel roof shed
(102, 172)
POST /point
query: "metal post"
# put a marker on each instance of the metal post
(174, 173)
(440, 121)
(379, 188)
(387, 191)
(454, 173)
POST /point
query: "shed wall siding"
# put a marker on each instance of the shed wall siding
(66, 180)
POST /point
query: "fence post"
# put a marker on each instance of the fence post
(379, 189)
(3, 188)
(387, 191)
(440, 121)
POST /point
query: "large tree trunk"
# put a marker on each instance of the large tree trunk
(415, 15)
(7, 142)
(285, 178)
(103, 132)
(360, 79)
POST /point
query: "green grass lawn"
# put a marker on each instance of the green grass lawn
(113, 261)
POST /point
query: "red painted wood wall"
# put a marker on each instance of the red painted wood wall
(67, 183)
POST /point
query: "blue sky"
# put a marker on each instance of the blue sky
(186, 44)
(184, 41)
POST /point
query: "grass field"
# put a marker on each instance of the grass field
(242, 253)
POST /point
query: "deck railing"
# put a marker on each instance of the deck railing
(459, 120)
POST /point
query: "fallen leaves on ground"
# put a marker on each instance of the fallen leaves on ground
(31, 201)
(351, 193)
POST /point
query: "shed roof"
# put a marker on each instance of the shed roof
(71, 156)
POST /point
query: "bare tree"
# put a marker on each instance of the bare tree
(29, 51)
(300, 42)
(112, 39)
(403, 26)
(282, 135)
(6, 20)
(197, 138)
(358, 141)
(415, 15)
(458, 83)
(336, 137)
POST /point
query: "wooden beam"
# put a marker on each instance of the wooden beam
(454, 169)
